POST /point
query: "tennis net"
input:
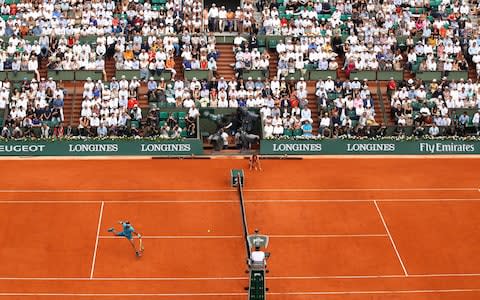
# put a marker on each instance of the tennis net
(244, 216)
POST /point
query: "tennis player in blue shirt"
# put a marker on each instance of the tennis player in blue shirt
(128, 232)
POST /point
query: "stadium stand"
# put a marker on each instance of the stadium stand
(419, 61)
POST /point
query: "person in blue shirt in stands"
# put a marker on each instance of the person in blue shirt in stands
(307, 128)
(187, 65)
(128, 231)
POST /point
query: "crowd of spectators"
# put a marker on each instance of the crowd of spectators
(296, 54)
(286, 109)
(234, 93)
(32, 105)
(148, 36)
(426, 105)
(345, 107)
(374, 35)
(220, 19)
(248, 56)
(199, 52)
(108, 107)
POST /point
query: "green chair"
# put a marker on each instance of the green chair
(431, 104)
(163, 115)
(135, 124)
(287, 132)
(298, 132)
(261, 42)
(184, 133)
(181, 115)
(272, 44)
(416, 106)
(182, 123)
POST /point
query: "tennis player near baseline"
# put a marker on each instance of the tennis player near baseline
(128, 232)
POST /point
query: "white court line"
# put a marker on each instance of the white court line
(112, 191)
(391, 239)
(239, 236)
(118, 201)
(358, 200)
(236, 278)
(96, 241)
(178, 237)
(267, 190)
(426, 291)
(246, 201)
(118, 295)
(430, 291)
(327, 235)
(362, 189)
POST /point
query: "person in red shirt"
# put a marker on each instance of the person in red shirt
(350, 67)
(391, 87)
(13, 9)
(132, 102)
(71, 41)
(115, 22)
(294, 103)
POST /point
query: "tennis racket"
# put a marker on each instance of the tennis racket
(140, 241)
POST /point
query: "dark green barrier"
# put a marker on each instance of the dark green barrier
(99, 148)
(318, 74)
(457, 75)
(429, 75)
(361, 75)
(20, 75)
(129, 74)
(199, 74)
(61, 75)
(386, 75)
(296, 75)
(88, 39)
(84, 74)
(320, 147)
(255, 74)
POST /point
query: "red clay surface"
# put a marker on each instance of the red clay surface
(328, 239)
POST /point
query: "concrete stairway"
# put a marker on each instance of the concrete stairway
(376, 102)
(273, 66)
(312, 104)
(386, 103)
(110, 68)
(179, 67)
(72, 102)
(340, 71)
(42, 67)
(225, 61)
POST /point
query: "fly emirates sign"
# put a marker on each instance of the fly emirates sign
(339, 147)
(447, 147)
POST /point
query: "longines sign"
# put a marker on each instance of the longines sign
(97, 148)
(305, 147)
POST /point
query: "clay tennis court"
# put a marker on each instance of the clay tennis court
(340, 228)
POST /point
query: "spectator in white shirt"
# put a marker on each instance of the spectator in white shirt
(476, 122)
